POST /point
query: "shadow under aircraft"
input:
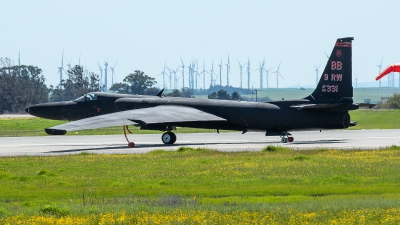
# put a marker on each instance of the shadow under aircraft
(326, 108)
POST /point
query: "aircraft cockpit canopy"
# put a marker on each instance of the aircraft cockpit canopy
(87, 97)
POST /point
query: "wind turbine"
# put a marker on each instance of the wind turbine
(220, 74)
(163, 77)
(101, 76)
(267, 71)
(175, 78)
(228, 71)
(277, 77)
(241, 70)
(248, 73)
(316, 74)
(183, 73)
(105, 76)
(204, 75)
(261, 73)
(112, 73)
(60, 69)
(69, 69)
(170, 77)
(380, 68)
(212, 74)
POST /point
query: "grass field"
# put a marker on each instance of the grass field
(366, 119)
(274, 186)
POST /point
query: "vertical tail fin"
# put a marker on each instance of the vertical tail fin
(335, 83)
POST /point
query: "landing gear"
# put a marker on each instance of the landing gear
(130, 144)
(287, 137)
(168, 138)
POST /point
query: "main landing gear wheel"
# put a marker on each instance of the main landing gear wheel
(287, 137)
(168, 138)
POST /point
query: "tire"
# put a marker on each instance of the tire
(168, 138)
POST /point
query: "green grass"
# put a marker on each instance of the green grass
(376, 119)
(160, 180)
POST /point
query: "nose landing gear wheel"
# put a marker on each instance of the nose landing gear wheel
(168, 138)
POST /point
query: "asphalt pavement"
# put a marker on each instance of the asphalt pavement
(225, 141)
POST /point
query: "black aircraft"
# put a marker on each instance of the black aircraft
(326, 108)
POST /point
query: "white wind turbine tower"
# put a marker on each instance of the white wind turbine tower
(316, 74)
(170, 77)
(241, 75)
(101, 77)
(183, 73)
(261, 73)
(380, 68)
(212, 81)
(60, 69)
(163, 77)
(204, 75)
(69, 69)
(248, 73)
(267, 72)
(113, 73)
(228, 71)
(175, 78)
(277, 77)
(105, 76)
(220, 73)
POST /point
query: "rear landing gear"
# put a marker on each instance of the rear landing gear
(168, 138)
(287, 137)
(130, 144)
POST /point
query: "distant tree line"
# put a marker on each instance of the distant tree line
(20, 86)
(223, 94)
(392, 103)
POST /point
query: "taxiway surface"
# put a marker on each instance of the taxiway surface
(252, 141)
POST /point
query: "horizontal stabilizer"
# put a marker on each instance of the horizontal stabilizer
(366, 105)
(317, 106)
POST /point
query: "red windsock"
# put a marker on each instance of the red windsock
(392, 68)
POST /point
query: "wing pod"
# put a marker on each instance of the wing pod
(392, 68)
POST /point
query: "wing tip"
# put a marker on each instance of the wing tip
(55, 131)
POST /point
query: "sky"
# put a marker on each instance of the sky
(145, 35)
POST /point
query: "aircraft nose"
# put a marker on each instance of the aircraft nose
(27, 110)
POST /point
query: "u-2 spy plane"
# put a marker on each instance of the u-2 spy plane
(326, 108)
